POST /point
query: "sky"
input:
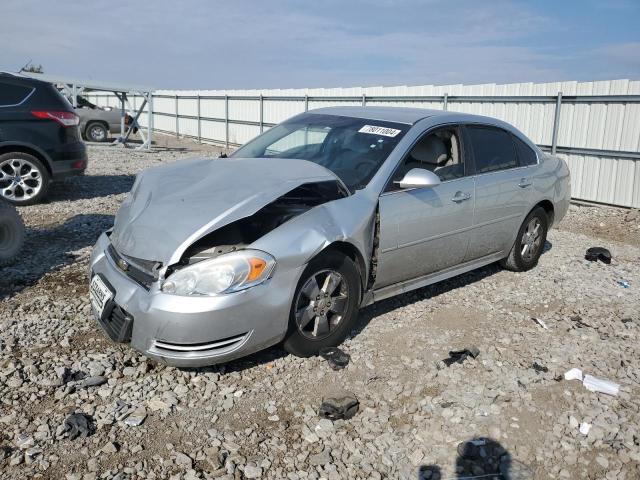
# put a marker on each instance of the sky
(238, 44)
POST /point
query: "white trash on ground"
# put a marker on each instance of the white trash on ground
(573, 374)
(594, 384)
(584, 428)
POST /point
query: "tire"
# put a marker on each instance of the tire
(11, 233)
(339, 305)
(521, 259)
(24, 180)
(96, 132)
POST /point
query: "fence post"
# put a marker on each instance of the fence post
(199, 128)
(306, 102)
(177, 119)
(364, 100)
(226, 122)
(445, 102)
(556, 125)
(261, 114)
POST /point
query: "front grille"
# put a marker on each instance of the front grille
(208, 348)
(118, 324)
(144, 272)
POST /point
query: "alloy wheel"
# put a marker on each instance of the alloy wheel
(97, 133)
(321, 304)
(20, 180)
(531, 239)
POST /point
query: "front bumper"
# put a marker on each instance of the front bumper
(197, 331)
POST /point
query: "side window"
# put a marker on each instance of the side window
(526, 156)
(438, 152)
(11, 94)
(493, 149)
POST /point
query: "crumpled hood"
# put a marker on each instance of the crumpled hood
(172, 206)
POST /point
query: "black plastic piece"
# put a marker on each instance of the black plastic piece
(594, 254)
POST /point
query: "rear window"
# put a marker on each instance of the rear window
(11, 94)
(493, 149)
(526, 156)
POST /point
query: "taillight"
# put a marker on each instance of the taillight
(66, 119)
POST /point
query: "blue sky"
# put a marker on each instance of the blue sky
(193, 44)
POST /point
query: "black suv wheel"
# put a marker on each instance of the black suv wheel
(24, 180)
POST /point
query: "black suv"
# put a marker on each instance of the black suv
(39, 139)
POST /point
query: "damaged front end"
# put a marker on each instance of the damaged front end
(243, 232)
(159, 231)
(212, 252)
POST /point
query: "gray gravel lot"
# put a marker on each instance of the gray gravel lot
(257, 417)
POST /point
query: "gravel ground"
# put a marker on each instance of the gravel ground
(257, 417)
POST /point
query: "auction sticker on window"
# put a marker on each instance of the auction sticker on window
(374, 130)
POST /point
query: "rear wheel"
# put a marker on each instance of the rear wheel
(11, 233)
(24, 180)
(96, 132)
(325, 305)
(529, 243)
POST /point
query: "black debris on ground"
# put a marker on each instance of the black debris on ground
(72, 376)
(539, 368)
(79, 425)
(594, 254)
(339, 408)
(459, 356)
(336, 358)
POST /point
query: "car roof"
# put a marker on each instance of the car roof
(16, 77)
(386, 114)
(405, 115)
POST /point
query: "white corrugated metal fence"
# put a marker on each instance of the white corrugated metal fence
(596, 125)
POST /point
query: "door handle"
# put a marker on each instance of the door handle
(461, 197)
(524, 183)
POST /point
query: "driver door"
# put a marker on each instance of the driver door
(426, 230)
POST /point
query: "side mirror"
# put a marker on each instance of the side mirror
(419, 178)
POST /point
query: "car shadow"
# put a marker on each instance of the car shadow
(429, 292)
(481, 457)
(50, 249)
(89, 186)
(367, 314)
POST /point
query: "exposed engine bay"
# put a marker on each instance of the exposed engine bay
(245, 231)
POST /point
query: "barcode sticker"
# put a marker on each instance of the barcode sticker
(374, 130)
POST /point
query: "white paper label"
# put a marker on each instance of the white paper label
(374, 130)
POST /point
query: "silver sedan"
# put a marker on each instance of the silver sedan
(332, 210)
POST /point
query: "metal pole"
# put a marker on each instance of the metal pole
(226, 122)
(261, 114)
(445, 102)
(177, 119)
(306, 103)
(556, 124)
(364, 100)
(199, 127)
(122, 114)
(149, 120)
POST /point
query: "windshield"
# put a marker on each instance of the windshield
(352, 148)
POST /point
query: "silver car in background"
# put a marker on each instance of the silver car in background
(332, 210)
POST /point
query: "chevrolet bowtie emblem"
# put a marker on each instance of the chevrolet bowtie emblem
(122, 265)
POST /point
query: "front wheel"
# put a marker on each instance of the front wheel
(529, 243)
(325, 305)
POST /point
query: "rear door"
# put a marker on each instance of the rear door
(503, 190)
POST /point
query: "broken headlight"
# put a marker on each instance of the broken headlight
(224, 274)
